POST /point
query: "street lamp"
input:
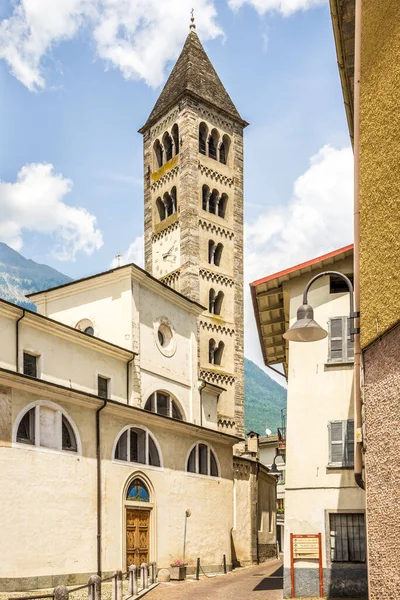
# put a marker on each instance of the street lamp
(305, 329)
(274, 469)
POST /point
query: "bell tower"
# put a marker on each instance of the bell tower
(193, 215)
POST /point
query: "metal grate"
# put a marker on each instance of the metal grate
(347, 533)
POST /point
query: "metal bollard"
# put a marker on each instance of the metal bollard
(61, 593)
(144, 576)
(224, 564)
(198, 569)
(152, 572)
(94, 587)
(116, 593)
(132, 586)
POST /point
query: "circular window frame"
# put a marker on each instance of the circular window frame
(167, 331)
(83, 324)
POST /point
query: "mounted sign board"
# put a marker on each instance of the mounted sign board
(306, 547)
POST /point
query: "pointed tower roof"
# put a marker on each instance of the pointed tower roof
(193, 74)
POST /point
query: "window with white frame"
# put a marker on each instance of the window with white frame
(347, 537)
(163, 404)
(136, 445)
(30, 364)
(202, 461)
(340, 346)
(46, 426)
(341, 443)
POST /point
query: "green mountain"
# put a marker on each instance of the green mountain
(20, 276)
(264, 399)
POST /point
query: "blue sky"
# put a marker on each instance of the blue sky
(73, 96)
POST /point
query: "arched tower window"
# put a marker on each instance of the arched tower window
(213, 144)
(218, 254)
(205, 196)
(163, 404)
(215, 352)
(213, 202)
(224, 149)
(138, 491)
(222, 206)
(202, 460)
(167, 143)
(211, 301)
(161, 209)
(211, 251)
(203, 132)
(218, 303)
(137, 445)
(158, 152)
(175, 137)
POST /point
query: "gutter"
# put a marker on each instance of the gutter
(358, 441)
(17, 340)
(99, 504)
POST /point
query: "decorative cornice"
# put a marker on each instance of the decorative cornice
(165, 178)
(163, 232)
(155, 131)
(215, 377)
(226, 422)
(213, 228)
(215, 118)
(215, 176)
(216, 277)
(172, 278)
(216, 328)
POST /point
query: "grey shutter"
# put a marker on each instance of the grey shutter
(350, 344)
(350, 443)
(336, 339)
(336, 443)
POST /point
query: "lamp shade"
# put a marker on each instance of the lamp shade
(274, 469)
(305, 329)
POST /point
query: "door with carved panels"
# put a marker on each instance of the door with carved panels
(137, 536)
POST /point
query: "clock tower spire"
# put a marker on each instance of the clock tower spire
(193, 213)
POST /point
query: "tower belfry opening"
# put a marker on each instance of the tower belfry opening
(193, 145)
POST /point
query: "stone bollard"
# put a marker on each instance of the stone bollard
(117, 586)
(94, 587)
(132, 585)
(164, 575)
(61, 593)
(144, 576)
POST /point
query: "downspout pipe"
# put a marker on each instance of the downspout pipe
(99, 503)
(17, 341)
(358, 466)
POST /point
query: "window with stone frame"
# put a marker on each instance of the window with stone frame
(347, 537)
(45, 425)
(137, 445)
(30, 364)
(340, 346)
(202, 460)
(162, 403)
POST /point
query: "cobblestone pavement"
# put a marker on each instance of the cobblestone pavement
(262, 582)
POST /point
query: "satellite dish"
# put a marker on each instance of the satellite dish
(268, 432)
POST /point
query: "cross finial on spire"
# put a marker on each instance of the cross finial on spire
(192, 24)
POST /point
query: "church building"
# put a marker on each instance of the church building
(121, 399)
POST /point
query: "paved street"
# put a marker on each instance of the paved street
(262, 582)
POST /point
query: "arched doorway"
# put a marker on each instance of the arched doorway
(138, 507)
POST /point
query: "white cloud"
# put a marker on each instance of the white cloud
(138, 37)
(317, 219)
(35, 202)
(134, 254)
(285, 7)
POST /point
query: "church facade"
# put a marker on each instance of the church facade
(121, 399)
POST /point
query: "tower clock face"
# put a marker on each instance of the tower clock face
(166, 253)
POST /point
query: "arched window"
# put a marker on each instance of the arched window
(213, 144)
(205, 196)
(45, 424)
(163, 404)
(218, 304)
(213, 202)
(86, 326)
(175, 137)
(137, 445)
(215, 352)
(211, 301)
(222, 206)
(203, 132)
(218, 254)
(167, 143)
(224, 149)
(211, 251)
(202, 460)
(158, 152)
(138, 491)
(161, 209)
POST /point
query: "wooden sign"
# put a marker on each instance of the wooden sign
(306, 547)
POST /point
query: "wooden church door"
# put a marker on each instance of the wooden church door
(137, 537)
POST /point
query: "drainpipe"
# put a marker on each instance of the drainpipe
(17, 341)
(357, 348)
(98, 457)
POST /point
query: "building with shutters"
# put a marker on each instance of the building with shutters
(321, 495)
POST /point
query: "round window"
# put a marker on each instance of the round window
(165, 336)
(89, 330)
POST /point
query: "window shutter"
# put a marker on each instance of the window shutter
(349, 443)
(336, 443)
(336, 339)
(350, 344)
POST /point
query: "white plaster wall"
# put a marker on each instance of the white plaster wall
(8, 342)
